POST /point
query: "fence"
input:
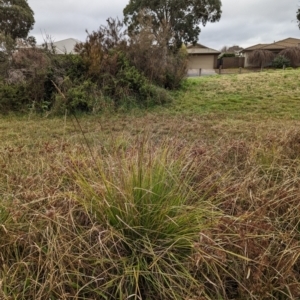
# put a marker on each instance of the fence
(233, 62)
(200, 72)
(221, 71)
(239, 70)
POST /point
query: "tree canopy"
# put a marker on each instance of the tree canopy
(179, 19)
(298, 17)
(231, 49)
(16, 18)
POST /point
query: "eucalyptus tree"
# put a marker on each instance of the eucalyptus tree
(16, 18)
(179, 20)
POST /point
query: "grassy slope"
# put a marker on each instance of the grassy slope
(240, 135)
(217, 104)
(267, 94)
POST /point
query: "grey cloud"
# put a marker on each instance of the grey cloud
(243, 22)
(248, 22)
(66, 18)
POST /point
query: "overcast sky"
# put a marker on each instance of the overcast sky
(243, 22)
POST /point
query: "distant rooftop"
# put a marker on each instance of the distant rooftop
(201, 49)
(279, 45)
(65, 46)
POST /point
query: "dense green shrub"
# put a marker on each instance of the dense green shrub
(281, 61)
(126, 85)
(70, 65)
(22, 97)
(176, 69)
(34, 78)
(81, 96)
(107, 66)
(14, 97)
(119, 78)
(157, 95)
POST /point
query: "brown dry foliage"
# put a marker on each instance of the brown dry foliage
(260, 57)
(150, 53)
(293, 54)
(94, 50)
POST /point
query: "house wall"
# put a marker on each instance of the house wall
(203, 61)
(216, 61)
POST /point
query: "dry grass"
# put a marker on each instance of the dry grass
(74, 225)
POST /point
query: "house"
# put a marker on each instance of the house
(201, 57)
(64, 46)
(275, 47)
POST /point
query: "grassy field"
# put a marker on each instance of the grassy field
(199, 199)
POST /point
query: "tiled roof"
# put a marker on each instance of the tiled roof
(201, 49)
(255, 47)
(279, 45)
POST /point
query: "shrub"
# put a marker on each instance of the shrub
(69, 65)
(126, 85)
(104, 69)
(14, 97)
(30, 59)
(156, 95)
(40, 71)
(292, 54)
(83, 96)
(151, 56)
(176, 69)
(281, 61)
(115, 68)
(98, 44)
(260, 57)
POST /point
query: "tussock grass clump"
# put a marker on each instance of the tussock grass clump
(127, 229)
(143, 198)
